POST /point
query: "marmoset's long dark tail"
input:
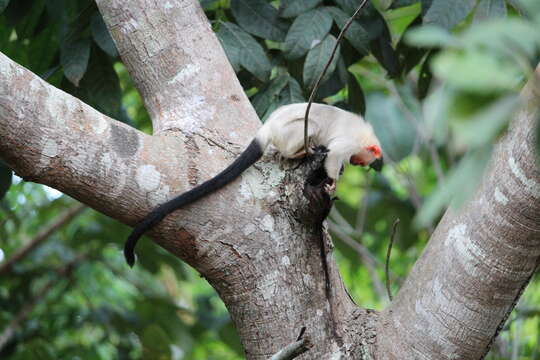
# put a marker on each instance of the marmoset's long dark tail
(253, 152)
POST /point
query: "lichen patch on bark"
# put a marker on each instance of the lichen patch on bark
(532, 186)
(148, 177)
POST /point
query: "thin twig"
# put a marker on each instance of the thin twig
(61, 220)
(365, 255)
(387, 263)
(317, 83)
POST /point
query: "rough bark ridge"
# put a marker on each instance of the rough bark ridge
(257, 241)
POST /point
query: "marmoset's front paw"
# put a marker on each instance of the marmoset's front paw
(330, 188)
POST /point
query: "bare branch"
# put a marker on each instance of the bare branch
(30, 245)
(387, 262)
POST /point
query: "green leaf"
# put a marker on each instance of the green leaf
(531, 7)
(155, 343)
(448, 13)
(74, 57)
(101, 35)
(355, 96)
(409, 55)
(5, 179)
(269, 95)
(426, 4)
(3, 5)
(516, 4)
(293, 8)
(460, 184)
(426, 75)
(316, 60)
(356, 34)
(396, 133)
(369, 17)
(409, 101)
(283, 90)
(382, 49)
(506, 36)
(487, 9)
(484, 127)
(43, 50)
(259, 18)
(430, 36)
(292, 93)
(36, 349)
(207, 4)
(476, 71)
(436, 109)
(306, 31)
(331, 86)
(242, 50)
(100, 87)
(350, 6)
(26, 16)
(402, 3)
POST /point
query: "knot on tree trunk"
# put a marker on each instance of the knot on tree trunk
(312, 199)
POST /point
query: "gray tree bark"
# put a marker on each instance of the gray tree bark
(479, 259)
(260, 241)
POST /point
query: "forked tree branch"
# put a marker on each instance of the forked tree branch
(251, 240)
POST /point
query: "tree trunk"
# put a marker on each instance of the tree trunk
(261, 242)
(479, 259)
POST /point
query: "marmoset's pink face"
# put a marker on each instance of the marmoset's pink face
(369, 156)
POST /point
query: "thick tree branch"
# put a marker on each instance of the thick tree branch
(253, 240)
(478, 260)
(181, 70)
(52, 138)
(31, 244)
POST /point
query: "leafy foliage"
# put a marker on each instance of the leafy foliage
(294, 8)
(436, 138)
(396, 134)
(243, 50)
(258, 18)
(307, 29)
(448, 14)
(74, 57)
(316, 60)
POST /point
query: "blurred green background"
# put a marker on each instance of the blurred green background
(438, 80)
